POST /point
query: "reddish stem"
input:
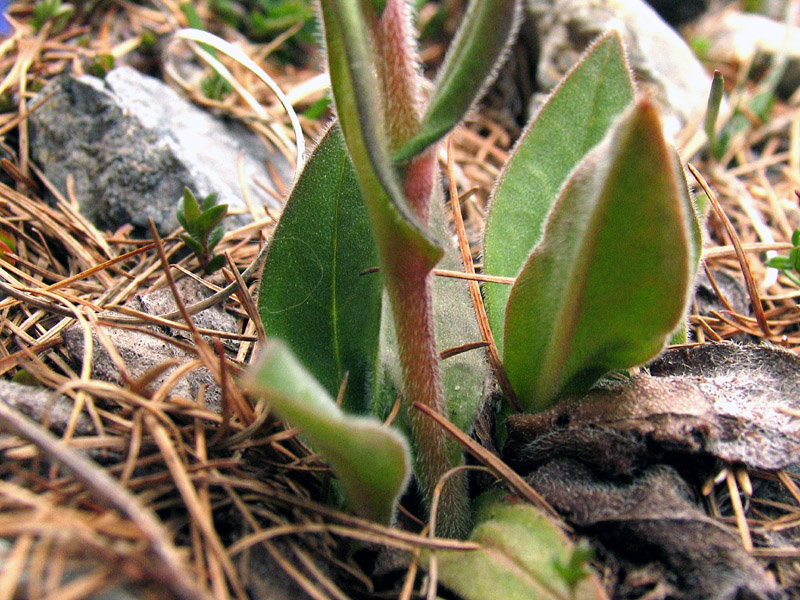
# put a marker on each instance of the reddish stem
(408, 276)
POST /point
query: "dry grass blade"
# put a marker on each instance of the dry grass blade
(168, 568)
(479, 277)
(738, 511)
(475, 293)
(241, 57)
(193, 505)
(752, 289)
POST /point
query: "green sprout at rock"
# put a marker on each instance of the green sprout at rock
(202, 223)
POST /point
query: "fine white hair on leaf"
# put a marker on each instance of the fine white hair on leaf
(501, 58)
(203, 37)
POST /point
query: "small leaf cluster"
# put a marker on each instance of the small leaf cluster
(789, 264)
(51, 10)
(203, 225)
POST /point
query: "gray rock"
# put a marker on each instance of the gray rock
(161, 302)
(142, 352)
(663, 62)
(132, 144)
(706, 402)
(43, 406)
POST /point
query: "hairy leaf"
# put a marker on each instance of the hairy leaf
(190, 210)
(523, 556)
(210, 218)
(370, 460)
(193, 244)
(471, 64)
(694, 216)
(313, 293)
(609, 282)
(573, 120)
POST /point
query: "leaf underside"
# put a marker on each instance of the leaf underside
(371, 461)
(575, 118)
(610, 279)
(521, 549)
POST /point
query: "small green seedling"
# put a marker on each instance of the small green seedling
(202, 223)
(789, 265)
(51, 10)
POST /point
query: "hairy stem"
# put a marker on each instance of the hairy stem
(410, 293)
(408, 278)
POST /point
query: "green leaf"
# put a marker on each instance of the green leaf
(695, 217)
(358, 106)
(209, 201)
(215, 237)
(470, 66)
(519, 559)
(370, 460)
(210, 218)
(574, 119)
(191, 211)
(610, 280)
(193, 244)
(181, 216)
(794, 258)
(783, 263)
(313, 294)
(712, 111)
(215, 264)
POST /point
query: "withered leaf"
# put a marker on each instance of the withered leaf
(720, 401)
(651, 520)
